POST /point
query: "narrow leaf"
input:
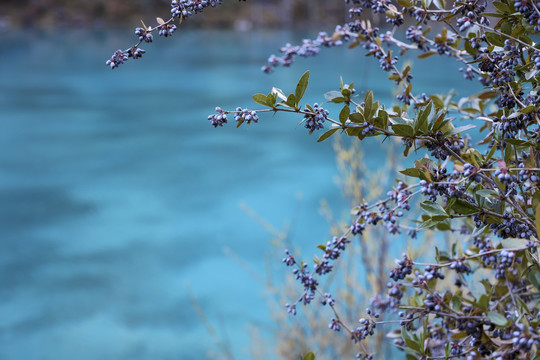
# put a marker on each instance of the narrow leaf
(301, 86)
(411, 172)
(344, 114)
(368, 105)
(459, 129)
(327, 134)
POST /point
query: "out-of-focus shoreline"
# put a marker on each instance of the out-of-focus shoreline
(51, 14)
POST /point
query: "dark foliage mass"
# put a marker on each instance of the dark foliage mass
(478, 298)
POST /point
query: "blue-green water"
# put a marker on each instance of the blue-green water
(117, 197)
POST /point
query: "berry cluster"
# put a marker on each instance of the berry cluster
(433, 302)
(505, 177)
(402, 269)
(400, 196)
(366, 329)
(440, 186)
(386, 61)
(460, 267)
(509, 125)
(119, 57)
(470, 171)
(315, 117)
(185, 8)
(368, 129)
(505, 260)
(218, 119)
(415, 35)
(245, 115)
(179, 9)
(472, 13)
(529, 11)
(166, 29)
(135, 52)
(306, 49)
(512, 227)
(430, 273)
(395, 294)
(144, 35)
(440, 145)
(332, 251)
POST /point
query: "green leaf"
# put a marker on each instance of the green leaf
(476, 288)
(439, 103)
(441, 256)
(260, 99)
(487, 193)
(537, 218)
(309, 356)
(426, 3)
(468, 47)
(271, 100)
(403, 130)
(459, 130)
(444, 226)
(502, 7)
(526, 39)
(513, 243)
(426, 54)
(291, 101)
(368, 105)
(301, 86)
(456, 301)
(411, 172)
(517, 142)
(508, 154)
(534, 277)
(409, 341)
(425, 163)
(344, 114)
(473, 156)
(497, 318)
(506, 28)
(334, 95)
(434, 210)
(421, 122)
(430, 223)
(483, 302)
(327, 134)
(464, 207)
(356, 131)
(441, 4)
(527, 109)
(494, 39)
(491, 152)
(383, 115)
(357, 117)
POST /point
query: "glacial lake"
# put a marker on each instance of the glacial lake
(125, 216)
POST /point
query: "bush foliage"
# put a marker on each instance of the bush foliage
(478, 298)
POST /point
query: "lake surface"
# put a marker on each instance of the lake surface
(120, 204)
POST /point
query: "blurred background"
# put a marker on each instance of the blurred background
(115, 13)
(130, 227)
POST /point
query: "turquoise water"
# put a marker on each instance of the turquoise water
(118, 200)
